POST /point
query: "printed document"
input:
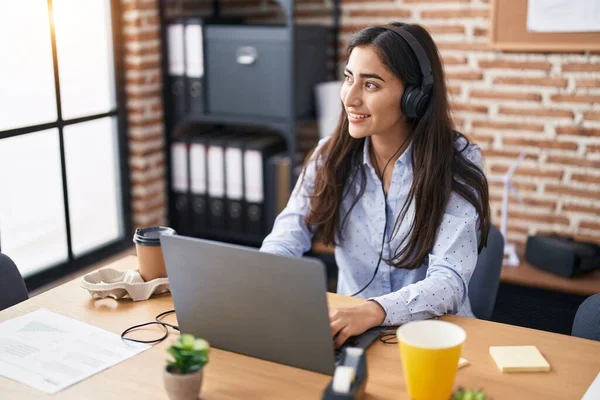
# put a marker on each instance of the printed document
(593, 391)
(49, 351)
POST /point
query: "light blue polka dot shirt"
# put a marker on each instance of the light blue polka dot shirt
(438, 286)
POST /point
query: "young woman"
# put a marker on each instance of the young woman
(400, 194)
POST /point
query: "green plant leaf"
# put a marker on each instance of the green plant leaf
(187, 341)
(189, 354)
(469, 394)
(200, 345)
(175, 352)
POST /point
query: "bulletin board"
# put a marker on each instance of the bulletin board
(508, 31)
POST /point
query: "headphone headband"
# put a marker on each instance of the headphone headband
(419, 51)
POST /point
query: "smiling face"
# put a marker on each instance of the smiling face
(371, 95)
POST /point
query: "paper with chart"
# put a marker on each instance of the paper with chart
(593, 391)
(563, 15)
(49, 351)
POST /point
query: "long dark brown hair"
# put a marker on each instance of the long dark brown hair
(439, 168)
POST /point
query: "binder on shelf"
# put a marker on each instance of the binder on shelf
(190, 136)
(256, 154)
(194, 65)
(284, 182)
(180, 186)
(199, 180)
(235, 207)
(176, 71)
(216, 181)
(278, 187)
(198, 185)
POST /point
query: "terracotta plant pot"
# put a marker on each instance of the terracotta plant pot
(182, 386)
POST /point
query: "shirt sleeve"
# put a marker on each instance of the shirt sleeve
(451, 263)
(290, 235)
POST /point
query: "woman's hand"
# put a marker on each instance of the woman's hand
(352, 321)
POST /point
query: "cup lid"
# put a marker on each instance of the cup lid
(151, 236)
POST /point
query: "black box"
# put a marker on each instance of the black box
(562, 255)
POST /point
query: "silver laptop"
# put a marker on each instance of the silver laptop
(241, 300)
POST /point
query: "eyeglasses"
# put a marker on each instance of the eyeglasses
(388, 336)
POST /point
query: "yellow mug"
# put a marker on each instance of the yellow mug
(430, 351)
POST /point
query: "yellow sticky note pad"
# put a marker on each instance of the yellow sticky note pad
(462, 362)
(519, 359)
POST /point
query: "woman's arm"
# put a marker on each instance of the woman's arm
(290, 235)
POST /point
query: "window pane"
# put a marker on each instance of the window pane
(85, 56)
(93, 183)
(32, 218)
(27, 93)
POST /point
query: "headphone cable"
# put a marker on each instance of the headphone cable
(157, 321)
(386, 213)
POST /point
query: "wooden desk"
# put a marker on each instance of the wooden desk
(575, 362)
(527, 275)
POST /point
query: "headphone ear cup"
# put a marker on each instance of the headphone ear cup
(408, 105)
(421, 106)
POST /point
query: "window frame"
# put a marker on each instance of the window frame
(57, 271)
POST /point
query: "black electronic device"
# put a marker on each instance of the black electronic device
(562, 255)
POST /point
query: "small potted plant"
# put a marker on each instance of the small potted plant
(469, 394)
(183, 375)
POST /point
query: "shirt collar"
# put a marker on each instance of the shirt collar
(404, 159)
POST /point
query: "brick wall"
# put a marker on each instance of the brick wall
(141, 34)
(547, 105)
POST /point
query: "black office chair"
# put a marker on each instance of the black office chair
(587, 319)
(12, 285)
(483, 286)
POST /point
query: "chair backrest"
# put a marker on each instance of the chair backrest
(587, 319)
(485, 280)
(12, 285)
